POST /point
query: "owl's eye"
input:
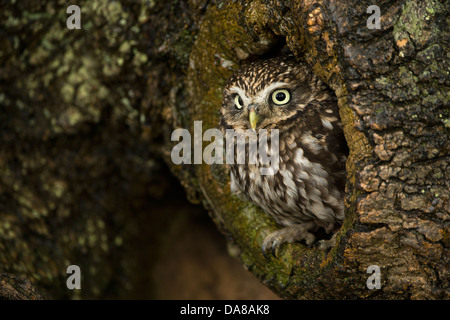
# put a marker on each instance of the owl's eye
(280, 97)
(238, 102)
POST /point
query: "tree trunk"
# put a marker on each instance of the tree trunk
(87, 114)
(18, 288)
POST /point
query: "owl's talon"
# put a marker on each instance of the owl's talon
(326, 245)
(293, 233)
(273, 243)
(275, 246)
(277, 238)
(263, 250)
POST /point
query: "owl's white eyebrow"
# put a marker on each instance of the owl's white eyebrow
(238, 90)
(241, 94)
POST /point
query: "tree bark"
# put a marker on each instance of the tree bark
(18, 288)
(88, 113)
(393, 97)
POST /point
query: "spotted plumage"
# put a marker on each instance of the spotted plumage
(307, 191)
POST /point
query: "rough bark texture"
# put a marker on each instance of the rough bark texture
(14, 287)
(86, 114)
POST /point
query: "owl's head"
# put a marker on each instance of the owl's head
(266, 94)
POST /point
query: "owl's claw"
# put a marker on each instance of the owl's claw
(325, 245)
(288, 234)
(268, 245)
(273, 244)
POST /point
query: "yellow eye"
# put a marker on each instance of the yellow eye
(280, 97)
(238, 102)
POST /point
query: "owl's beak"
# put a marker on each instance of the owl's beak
(253, 117)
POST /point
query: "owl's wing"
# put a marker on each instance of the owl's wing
(325, 125)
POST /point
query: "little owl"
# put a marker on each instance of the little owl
(307, 192)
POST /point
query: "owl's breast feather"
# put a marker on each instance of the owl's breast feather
(301, 190)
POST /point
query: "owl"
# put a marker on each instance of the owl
(306, 195)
